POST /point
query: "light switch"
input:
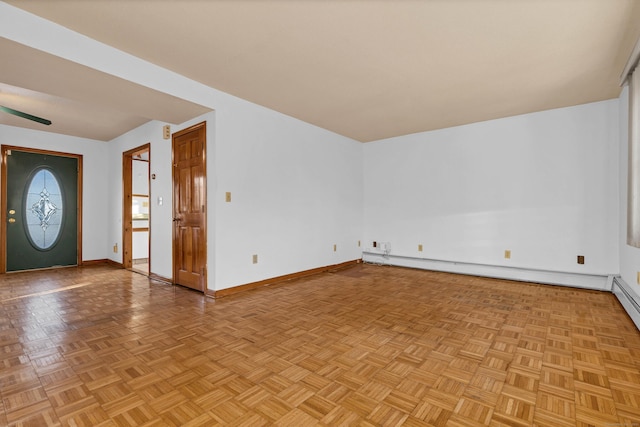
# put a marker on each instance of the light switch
(160, 201)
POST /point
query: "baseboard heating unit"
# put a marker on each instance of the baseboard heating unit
(627, 298)
(600, 282)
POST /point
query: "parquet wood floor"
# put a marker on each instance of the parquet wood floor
(364, 346)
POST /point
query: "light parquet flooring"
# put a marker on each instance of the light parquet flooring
(364, 346)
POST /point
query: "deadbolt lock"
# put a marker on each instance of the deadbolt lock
(12, 220)
(12, 212)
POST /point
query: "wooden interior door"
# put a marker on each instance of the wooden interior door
(189, 207)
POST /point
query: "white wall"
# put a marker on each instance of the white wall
(140, 245)
(296, 191)
(543, 185)
(95, 186)
(140, 177)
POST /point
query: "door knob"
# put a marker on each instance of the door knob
(12, 220)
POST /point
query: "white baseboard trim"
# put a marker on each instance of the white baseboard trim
(598, 282)
(627, 298)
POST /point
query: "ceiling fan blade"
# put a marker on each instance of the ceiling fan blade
(25, 115)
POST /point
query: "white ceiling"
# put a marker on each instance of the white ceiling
(372, 69)
(80, 101)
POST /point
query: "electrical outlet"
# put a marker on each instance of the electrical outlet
(227, 196)
(335, 248)
(255, 259)
(420, 248)
(375, 244)
(507, 254)
(358, 243)
(580, 259)
(115, 248)
(638, 278)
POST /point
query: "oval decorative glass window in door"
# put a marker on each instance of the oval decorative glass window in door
(44, 209)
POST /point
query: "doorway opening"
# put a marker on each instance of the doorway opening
(136, 218)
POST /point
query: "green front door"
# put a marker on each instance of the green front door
(42, 210)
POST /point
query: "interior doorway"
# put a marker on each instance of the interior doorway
(136, 218)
